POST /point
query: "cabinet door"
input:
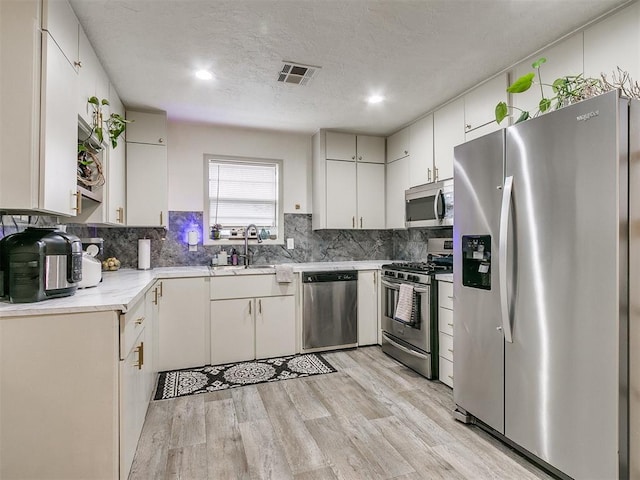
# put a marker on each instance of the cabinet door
(397, 182)
(448, 131)
(87, 78)
(275, 326)
(146, 127)
(60, 130)
(116, 170)
(367, 308)
(614, 42)
(480, 105)
(60, 21)
(341, 146)
(398, 145)
(341, 194)
(182, 316)
(370, 192)
(232, 330)
(133, 403)
(370, 149)
(421, 159)
(146, 185)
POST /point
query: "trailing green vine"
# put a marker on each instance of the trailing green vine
(567, 90)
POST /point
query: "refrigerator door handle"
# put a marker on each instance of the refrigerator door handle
(502, 271)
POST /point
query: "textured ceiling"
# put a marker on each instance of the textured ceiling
(417, 53)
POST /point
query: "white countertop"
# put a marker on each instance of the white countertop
(121, 289)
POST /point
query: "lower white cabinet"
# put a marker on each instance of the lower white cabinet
(445, 332)
(261, 324)
(368, 307)
(182, 323)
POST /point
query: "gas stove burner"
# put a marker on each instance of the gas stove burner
(436, 264)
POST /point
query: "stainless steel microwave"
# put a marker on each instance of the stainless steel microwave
(429, 205)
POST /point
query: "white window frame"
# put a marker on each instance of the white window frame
(206, 227)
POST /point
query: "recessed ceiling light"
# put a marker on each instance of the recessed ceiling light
(204, 75)
(375, 99)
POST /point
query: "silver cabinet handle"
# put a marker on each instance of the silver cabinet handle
(260, 306)
(428, 174)
(450, 324)
(250, 302)
(502, 270)
(360, 222)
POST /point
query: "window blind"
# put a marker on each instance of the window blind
(241, 193)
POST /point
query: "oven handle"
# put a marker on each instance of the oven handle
(396, 286)
(404, 349)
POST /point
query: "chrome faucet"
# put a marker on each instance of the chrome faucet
(246, 242)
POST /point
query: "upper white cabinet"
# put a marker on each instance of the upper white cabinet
(147, 196)
(146, 127)
(348, 192)
(565, 58)
(59, 20)
(421, 158)
(448, 131)
(92, 80)
(38, 122)
(398, 145)
(397, 181)
(614, 42)
(116, 170)
(479, 107)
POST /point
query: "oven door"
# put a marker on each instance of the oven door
(417, 334)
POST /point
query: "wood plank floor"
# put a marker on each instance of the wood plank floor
(373, 419)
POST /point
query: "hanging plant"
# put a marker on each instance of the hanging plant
(567, 90)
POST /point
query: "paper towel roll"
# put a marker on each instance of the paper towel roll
(144, 254)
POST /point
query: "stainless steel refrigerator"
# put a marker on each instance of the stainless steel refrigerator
(546, 241)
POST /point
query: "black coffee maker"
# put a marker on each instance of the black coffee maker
(39, 263)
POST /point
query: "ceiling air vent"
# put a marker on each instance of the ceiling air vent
(296, 73)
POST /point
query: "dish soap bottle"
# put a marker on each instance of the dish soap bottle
(234, 257)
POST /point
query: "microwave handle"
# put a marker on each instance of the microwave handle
(438, 205)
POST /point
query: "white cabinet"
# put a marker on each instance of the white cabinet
(480, 105)
(147, 195)
(275, 332)
(60, 396)
(445, 332)
(448, 131)
(59, 20)
(252, 316)
(614, 42)
(341, 194)
(348, 192)
(116, 170)
(397, 181)
(182, 323)
(421, 159)
(137, 379)
(39, 129)
(147, 127)
(370, 187)
(368, 307)
(398, 145)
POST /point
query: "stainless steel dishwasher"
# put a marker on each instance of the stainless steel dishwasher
(330, 312)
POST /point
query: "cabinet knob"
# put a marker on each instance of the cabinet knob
(406, 152)
(161, 140)
(78, 64)
(467, 126)
(353, 157)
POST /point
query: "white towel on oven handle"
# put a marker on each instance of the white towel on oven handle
(405, 303)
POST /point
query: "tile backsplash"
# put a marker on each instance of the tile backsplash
(169, 246)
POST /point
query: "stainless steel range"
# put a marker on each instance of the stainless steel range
(413, 341)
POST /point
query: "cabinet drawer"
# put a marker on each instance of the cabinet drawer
(445, 295)
(445, 321)
(249, 286)
(445, 373)
(446, 346)
(131, 324)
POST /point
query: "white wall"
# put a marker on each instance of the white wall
(187, 143)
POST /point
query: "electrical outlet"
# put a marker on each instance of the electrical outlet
(289, 243)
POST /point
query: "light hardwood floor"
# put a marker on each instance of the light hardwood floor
(373, 419)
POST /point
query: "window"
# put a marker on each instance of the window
(242, 192)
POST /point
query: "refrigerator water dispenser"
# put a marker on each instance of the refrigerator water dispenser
(476, 261)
